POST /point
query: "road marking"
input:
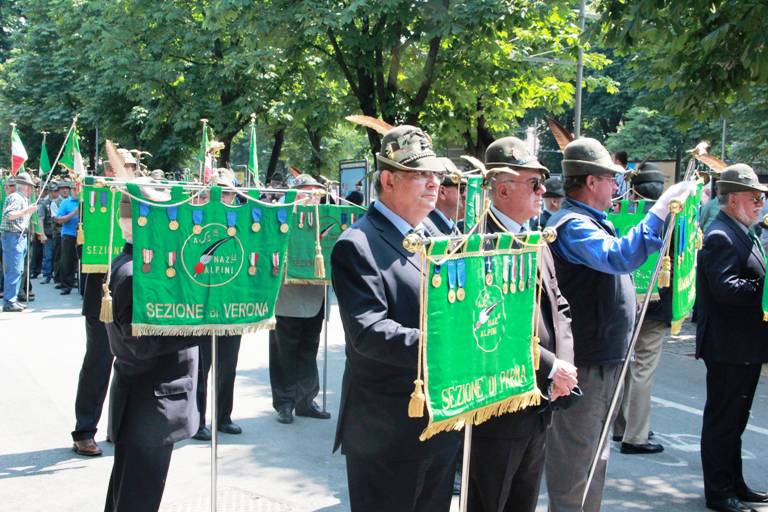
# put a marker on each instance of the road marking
(698, 412)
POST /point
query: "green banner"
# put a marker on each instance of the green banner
(474, 203)
(208, 268)
(100, 204)
(625, 216)
(686, 242)
(305, 233)
(478, 342)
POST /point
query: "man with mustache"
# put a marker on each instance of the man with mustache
(377, 285)
(730, 334)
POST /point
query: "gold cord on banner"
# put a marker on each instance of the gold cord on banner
(665, 275)
(106, 314)
(319, 261)
(535, 348)
(418, 398)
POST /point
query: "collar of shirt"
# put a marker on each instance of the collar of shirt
(601, 216)
(509, 224)
(445, 218)
(400, 223)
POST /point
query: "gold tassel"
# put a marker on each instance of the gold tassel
(536, 352)
(699, 240)
(765, 317)
(416, 405)
(80, 234)
(105, 315)
(319, 262)
(665, 276)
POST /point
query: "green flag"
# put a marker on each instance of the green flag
(100, 221)
(206, 161)
(474, 208)
(253, 160)
(625, 216)
(45, 163)
(686, 241)
(71, 158)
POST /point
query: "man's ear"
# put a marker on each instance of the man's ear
(387, 179)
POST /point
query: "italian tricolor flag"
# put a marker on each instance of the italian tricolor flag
(18, 153)
(71, 157)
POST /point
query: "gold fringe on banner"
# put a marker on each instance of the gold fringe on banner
(105, 315)
(306, 281)
(94, 268)
(200, 330)
(478, 416)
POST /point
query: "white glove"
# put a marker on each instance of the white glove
(677, 191)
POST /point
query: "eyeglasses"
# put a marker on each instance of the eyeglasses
(423, 175)
(535, 183)
(606, 177)
(756, 198)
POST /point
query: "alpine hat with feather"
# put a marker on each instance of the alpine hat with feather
(408, 148)
(739, 178)
(511, 152)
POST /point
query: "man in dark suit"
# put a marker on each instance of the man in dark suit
(152, 398)
(553, 199)
(449, 208)
(508, 450)
(377, 285)
(731, 335)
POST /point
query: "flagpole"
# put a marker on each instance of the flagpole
(58, 156)
(214, 425)
(326, 312)
(205, 150)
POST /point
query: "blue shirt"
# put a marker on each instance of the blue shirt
(66, 207)
(400, 223)
(582, 243)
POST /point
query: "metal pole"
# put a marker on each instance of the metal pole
(326, 311)
(579, 74)
(214, 422)
(465, 468)
(29, 249)
(722, 140)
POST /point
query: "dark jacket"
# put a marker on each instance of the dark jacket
(442, 227)
(152, 397)
(377, 284)
(729, 288)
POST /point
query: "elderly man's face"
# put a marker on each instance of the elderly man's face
(746, 206)
(307, 192)
(410, 194)
(519, 197)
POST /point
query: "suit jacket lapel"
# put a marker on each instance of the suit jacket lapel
(744, 238)
(392, 236)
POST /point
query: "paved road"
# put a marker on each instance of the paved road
(272, 467)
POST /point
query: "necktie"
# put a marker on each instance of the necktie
(757, 242)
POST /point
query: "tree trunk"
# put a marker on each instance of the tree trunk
(275, 156)
(92, 150)
(315, 139)
(223, 160)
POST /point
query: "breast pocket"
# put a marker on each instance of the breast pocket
(175, 387)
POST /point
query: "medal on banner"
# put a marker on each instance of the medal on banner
(231, 223)
(451, 266)
(92, 198)
(170, 271)
(488, 270)
(505, 274)
(301, 220)
(311, 218)
(513, 275)
(253, 258)
(436, 279)
(256, 218)
(352, 218)
(197, 219)
(344, 224)
(521, 277)
(173, 213)
(530, 269)
(282, 216)
(103, 202)
(275, 263)
(461, 270)
(146, 258)
(143, 214)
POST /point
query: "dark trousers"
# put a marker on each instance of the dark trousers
(36, 260)
(730, 390)
(422, 485)
(94, 379)
(138, 478)
(505, 474)
(293, 372)
(228, 348)
(57, 258)
(68, 261)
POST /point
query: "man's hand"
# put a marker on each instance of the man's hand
(564, 380)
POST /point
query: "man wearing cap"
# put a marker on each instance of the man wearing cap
(377, 284)
(594, 273)
(731, 334)
(44, 211)
(508, 450)
(633, 421)
(68, 215)
(294, 342)
(64, 191)
(13, 231)
(152, 397)
(449, 209)
(227, 351)
(553, 199)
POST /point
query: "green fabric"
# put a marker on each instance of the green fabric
(474, 203)
(334, 219)
(71, 158)
(96, 207)
(685, 247)
(628, 215)
(45, 163)
(478, 366)
(253, 161)
(207, 296)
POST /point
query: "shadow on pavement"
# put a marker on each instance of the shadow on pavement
(43, 462)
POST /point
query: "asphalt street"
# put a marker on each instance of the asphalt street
(274, 467)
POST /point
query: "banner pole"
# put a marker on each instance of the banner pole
(214, 426)
(465, 468)
(29, 249)
(326, 310)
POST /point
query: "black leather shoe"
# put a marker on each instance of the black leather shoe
(65, 291)
(203, 434)
(753, 496)
(284, 415)
(230, 428)
(729, 505)
(618, 439)
(313, 411)
(633, 449)
(59, 286)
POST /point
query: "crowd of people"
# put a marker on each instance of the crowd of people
(587, 315)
